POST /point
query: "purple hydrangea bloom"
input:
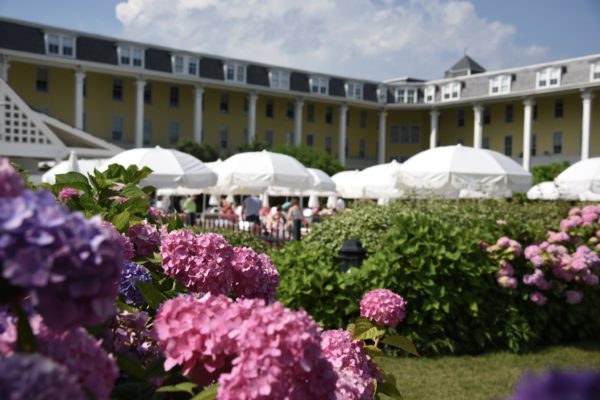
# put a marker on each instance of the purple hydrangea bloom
(68, 193)
(129, 334)
(559, 385)
(145, 237)
(11, 183)
(132, 273)
(34, 377)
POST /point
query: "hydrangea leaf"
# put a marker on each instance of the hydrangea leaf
(402, 343)
(187, 387)
(210, 393)
(365, 329)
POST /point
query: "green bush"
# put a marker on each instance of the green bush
(430, 252)
(543, 173)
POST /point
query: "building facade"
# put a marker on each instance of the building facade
(134, 94)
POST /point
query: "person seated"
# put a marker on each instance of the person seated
(227, 210)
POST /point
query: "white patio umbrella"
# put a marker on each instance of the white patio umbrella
(322, 185)
(256, 171)
(345, 183)
(71, 165)
(379, 181)
(543, 191)
(581, 177)
(445, 171)
(170, 168)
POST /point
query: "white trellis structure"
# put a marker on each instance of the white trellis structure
(26, 133)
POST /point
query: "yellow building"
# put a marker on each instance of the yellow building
(137, 94)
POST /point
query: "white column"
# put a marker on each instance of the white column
(139, 112)
(527, 119)
(586, 124)
(298, 122)
(433, 135)
(342, 135)
(252, 98)
(478, 126)
(198, 93)
(381, 141)
(4, 66)
(79, 81)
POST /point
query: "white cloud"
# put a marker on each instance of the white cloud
(377, 39)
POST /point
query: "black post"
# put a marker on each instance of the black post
(297, 229)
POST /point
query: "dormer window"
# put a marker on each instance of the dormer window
(430, 94)
(354, 90)
(319, 85)
(595, 71)
(185, 64)
(500, 84)
(279, 79)
(131, 56)
(60, 45)
(382, 93)
(235, 72)
(406, 95)
(451, 91)
(548, 77)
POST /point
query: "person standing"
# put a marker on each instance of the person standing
(251, 209)
(189, 207)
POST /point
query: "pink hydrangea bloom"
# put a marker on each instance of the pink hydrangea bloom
(506, 269)
(590, 279)
(558, 237)
(574, 296)
(156, 213)
(254, 275)
(538, 298)
(145, 238)
(383, 306)
(75, 349)
(506, 244)
(355, 369)
(120, 199)
(123, 240)
(572, 222)
(507, 282)
(200, 262)
(537, 279)
(583, 258)
(193, 333)
(279, 357)
(11, 183)
(67, 193)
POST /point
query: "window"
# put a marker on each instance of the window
(487, 115)
(269, 108)
(290, 110)
(279, 79)
(147, 131)
(415, 135)
(382, 94)
(310, 113)
(328, 144)
(363, 119)
(460, 118)
(451, 91)
(508, 113)
(533, 145)
(548, 77)
(319, 85)
(395, 134)
(406, 95)
(147, 94)
(310, 140)
(595, 71)
(500, 84)
(354, 90)
(41, 79)
(173, 132)
(557, 142)
(485, 142)
(60, 45)
(174, 96)
(235, 72)
(362, 148)
(117, 89)
(329, 115)
(223, 137)
(289, 138)
(184, 64)
(508, 145)
(430, 94)
(269, 138)
(131, 56)
(559, 108)
(117, 128)
(224, 103)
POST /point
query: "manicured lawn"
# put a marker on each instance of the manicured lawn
(489, 376)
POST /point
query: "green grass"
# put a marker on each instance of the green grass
(488, 376)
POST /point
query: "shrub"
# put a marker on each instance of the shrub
(547, 172)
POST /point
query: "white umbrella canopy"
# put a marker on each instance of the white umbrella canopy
(170, 168)
(380, 181)
(322, 185)
(82, 166)
(445, 171)
(345, 183)
(543, 191)
(255, 172)
(581, 177)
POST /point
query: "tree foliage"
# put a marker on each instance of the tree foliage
(548, 172)
(204, 152)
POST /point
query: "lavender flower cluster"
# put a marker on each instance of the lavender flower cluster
(383, 307)
(132, 274)
(559, 385)
(128, 334)
(145, 238)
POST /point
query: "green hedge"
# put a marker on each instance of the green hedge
(430, 253)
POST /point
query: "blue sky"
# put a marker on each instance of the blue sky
(377, 39)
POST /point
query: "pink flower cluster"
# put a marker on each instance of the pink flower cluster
(356, 371)
(123, 240)
(68, 193)
(145, 238)
(11, 183)
(270, 352)
(505, 275)
(581, 218)
(254, 275)
(506, 246)
(383, 307)
(80, 353)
